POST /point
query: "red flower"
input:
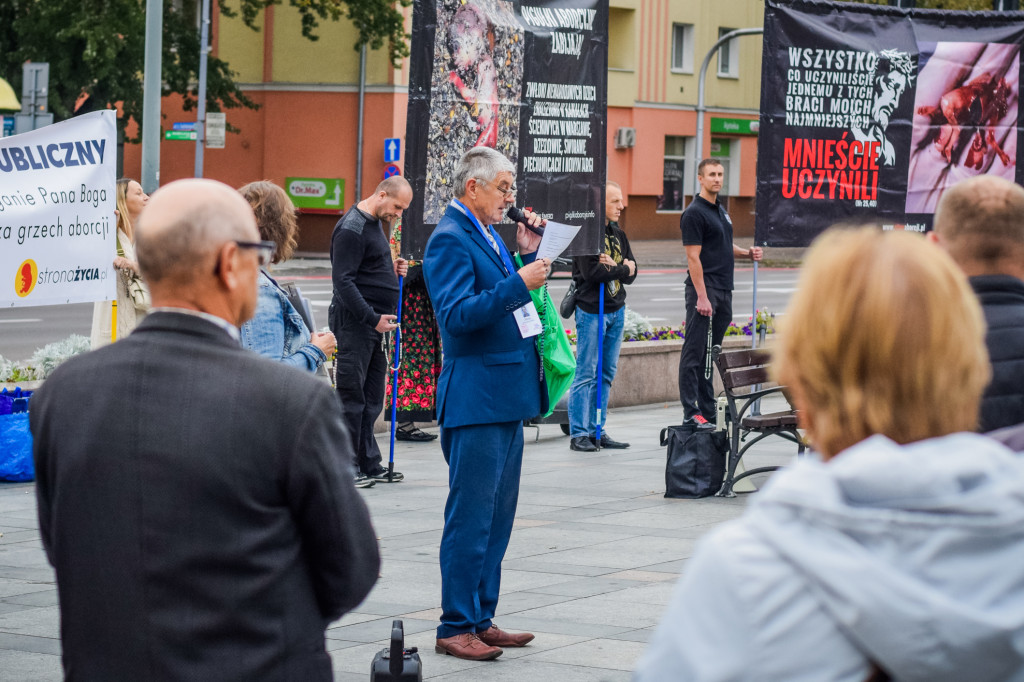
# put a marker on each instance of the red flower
(416, 374)
(419, 390)
(405, 402)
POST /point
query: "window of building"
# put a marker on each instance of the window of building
(678, 167)
(621, 38)
(728, 56)
(682, 48)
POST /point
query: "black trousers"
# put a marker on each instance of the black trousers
(696, 391)
(360, 374)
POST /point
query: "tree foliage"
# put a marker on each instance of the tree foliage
(376, 20)
(97, 47)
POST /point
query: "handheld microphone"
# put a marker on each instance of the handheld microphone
(520, 217)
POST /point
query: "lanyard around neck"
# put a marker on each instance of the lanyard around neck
(484, 231)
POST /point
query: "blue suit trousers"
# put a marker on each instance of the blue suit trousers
(484, 464)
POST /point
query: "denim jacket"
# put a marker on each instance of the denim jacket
(277, 331)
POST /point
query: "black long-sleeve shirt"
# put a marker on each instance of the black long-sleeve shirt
(365, 284)
(589, 274)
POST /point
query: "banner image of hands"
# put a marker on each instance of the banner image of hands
(525, 77)
(57, 222)
(869, 113)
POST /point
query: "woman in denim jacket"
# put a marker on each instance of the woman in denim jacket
(276, 330)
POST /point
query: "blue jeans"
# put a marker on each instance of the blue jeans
(583, 394)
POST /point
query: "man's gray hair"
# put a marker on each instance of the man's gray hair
(480, 163)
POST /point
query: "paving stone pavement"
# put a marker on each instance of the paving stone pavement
(594, 555)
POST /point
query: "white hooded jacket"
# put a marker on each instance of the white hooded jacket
(911, 557)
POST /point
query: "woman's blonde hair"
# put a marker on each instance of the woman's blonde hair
(883, 336)
(124, 223)
(275, 216)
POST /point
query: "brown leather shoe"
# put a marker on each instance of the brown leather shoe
(468, 646)
(495, 636)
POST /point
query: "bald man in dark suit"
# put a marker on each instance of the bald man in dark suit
(196, 499)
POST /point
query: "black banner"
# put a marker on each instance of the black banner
(869, 113)
(526, 77)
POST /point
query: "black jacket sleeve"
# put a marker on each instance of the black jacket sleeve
(627, 252)
(347, 250)
(338, 539)
(592, 271)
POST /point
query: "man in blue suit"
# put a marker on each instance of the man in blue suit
(491, 380)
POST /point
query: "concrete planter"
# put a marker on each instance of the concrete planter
(648, 371)
(25, 385)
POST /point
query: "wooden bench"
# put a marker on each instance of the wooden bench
(743, 374)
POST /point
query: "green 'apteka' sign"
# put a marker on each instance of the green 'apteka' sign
(325, 194)
(734, 126)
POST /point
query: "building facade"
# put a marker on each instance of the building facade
(308, 92)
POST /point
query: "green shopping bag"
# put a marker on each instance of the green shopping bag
(555, 349)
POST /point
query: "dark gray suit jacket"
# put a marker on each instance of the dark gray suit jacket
(197, 503)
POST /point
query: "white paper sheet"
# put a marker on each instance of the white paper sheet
(556, 239)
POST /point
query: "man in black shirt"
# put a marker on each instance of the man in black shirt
(362, 311)
(613, 268)
(710, 257)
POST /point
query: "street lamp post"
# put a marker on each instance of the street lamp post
(152, 86)
(204, 52)
(700, 139)
(701, 109)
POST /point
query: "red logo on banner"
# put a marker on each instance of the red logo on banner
(25, 278)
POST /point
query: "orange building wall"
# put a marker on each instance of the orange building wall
(292, 134)
(639, 169)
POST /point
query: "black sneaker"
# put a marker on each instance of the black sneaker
(363, 481)
(582, 444)
(607, 442)
(700, 422)
(381, 476)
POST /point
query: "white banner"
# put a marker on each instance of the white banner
(57, 222)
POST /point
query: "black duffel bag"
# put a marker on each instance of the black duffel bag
(696, 461)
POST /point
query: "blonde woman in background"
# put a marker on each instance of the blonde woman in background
(130, 202)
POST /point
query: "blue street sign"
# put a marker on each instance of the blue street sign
(390, 170)
(8, 126)
(392, 150)
(184, 125)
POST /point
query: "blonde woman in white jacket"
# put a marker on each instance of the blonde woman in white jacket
(130, 200)
(899, 554)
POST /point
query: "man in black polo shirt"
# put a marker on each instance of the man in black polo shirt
(362, 311)
(710, 256)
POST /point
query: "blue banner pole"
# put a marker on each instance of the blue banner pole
(394, 378)
(600, 354)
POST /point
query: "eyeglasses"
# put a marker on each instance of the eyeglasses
(264, 250)
(508, 192)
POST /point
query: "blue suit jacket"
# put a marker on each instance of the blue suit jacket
(490, 373)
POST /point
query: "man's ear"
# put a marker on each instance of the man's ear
(227, 265)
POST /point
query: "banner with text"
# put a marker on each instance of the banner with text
(57, 223)
(525, 77)
(869, 113)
